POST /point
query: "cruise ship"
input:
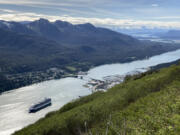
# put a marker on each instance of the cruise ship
(43, 104)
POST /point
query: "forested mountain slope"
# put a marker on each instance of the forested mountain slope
(29, 50)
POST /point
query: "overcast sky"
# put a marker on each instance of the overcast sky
(110, 13)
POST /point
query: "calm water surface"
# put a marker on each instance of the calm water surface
(139, 65)
(14, 105)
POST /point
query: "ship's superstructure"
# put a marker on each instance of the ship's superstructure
(45, 103)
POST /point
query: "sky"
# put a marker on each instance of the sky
(108, 13)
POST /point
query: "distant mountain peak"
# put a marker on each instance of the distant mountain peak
(43, 21)
(87, 25)
(5, 24)
(62, 23)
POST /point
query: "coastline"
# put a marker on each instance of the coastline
(19, 80)
(65, 90)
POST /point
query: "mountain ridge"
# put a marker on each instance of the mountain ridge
(172, 34)
(60, 30)
(28, 51)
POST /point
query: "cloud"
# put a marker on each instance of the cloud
(114, 13)
(155, 5)
(122, 9)
(168, 17)
(71, 3)
(105, 22)
(6, 10)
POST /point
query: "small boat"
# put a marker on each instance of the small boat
(42, 104)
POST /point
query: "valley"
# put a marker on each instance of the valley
(29, 52)
(87, 67)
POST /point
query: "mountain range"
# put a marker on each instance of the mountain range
(40, 45)
(41, 41)
(171, 34)
(67, 33)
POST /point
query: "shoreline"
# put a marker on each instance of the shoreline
(29, 78)
(70, 90)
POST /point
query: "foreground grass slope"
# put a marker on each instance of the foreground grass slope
(146, 104)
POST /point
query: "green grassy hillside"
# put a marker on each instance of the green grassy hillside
(147, 104)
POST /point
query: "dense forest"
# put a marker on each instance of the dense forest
(145, 104)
